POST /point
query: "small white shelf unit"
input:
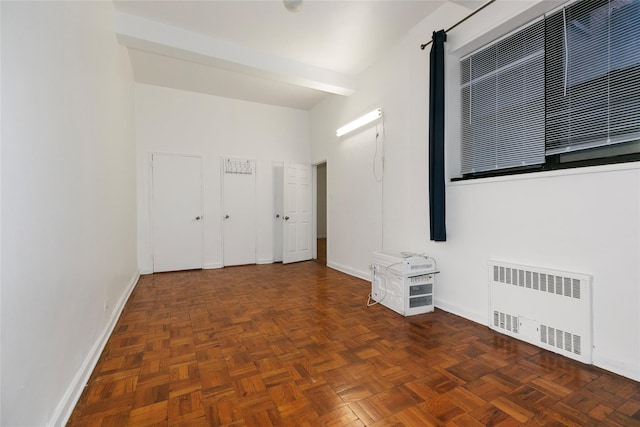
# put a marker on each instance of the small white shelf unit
(403, 282)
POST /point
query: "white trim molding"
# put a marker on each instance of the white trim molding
(350, 271)
(72, 395)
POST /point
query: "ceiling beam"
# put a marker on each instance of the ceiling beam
(155, 37)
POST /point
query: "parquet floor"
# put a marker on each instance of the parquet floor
(295, 345)
(321, 251)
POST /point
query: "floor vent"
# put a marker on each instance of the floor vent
(547, 308)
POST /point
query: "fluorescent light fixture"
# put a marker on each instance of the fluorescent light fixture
(359, 122)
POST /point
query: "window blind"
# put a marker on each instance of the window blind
(502, 101)
(593, 75)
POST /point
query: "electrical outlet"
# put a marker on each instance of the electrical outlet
(106, 305)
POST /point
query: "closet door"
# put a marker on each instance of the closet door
(278, 210)
(239, 217)
(176, 210)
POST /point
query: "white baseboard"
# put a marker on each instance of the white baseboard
(212, 265)
(70, 398)
(607, 362)
(473, 316)
(364, 275)
(265, 261)
(620, 367)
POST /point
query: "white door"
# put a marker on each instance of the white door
(176, 212)
(239, 212)
(278, 209)
(297, 215)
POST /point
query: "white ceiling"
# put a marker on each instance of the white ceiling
(257, 50)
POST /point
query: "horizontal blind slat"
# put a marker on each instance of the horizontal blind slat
(592, 94)
(502, 93)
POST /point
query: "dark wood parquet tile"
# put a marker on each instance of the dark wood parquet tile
(295, 345)
(321, 251)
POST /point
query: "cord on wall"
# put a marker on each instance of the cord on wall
(375, 155)
(380, 179)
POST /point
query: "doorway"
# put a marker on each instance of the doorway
(292, 212)
(321, 213)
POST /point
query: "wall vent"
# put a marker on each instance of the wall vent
(560, 339)
(505, 321)
(545, 307)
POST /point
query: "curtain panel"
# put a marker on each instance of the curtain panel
(436, 139)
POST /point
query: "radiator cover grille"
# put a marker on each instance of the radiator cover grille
(547, 308)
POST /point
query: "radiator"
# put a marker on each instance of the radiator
(547, 308)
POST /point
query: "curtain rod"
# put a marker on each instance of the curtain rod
(422, 46)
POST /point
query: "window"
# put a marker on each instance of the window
(503, 103)
(561, 92)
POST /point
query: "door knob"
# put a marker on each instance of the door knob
(198, 218)
(226, 217)
(286, 218)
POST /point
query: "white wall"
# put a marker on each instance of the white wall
(359, 222)
(174, 121)
(68, 200)
(586, 220)
(1, 133)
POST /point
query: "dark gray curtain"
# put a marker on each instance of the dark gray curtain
(436, 139)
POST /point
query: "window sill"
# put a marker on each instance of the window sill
(539, 174)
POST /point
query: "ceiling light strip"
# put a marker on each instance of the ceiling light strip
(359, 122)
